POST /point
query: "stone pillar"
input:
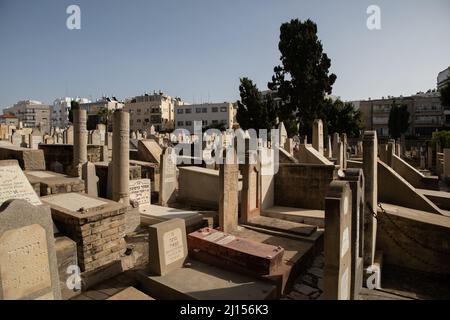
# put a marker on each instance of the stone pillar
(317, 138)
(429, 157)
(390, 152)
(329, 154)
(121, 157)
(337, 240)
(168, 177)
(90, 179)
(79, 139)
(251, 185)
(336, 140)
(344, 150)
(228, 191)
(370, 164)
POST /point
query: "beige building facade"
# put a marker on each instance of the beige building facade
(31, 113)
(155, 110)
(211, 114)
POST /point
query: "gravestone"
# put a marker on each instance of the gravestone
(140, 192)
(90, 179)
(16, 139)
(283, 134)
(228, 191)
(28, 266)
(251, 185)
(317, 139)
(168, 177)
(167, 246)
(14, 184)
(96, 138)
(337, 242)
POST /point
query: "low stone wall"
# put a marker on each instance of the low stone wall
(303, 185)
(63, 153)
(400, 250)
(413, 176)
(28, 159)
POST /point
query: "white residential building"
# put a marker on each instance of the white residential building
(211, 114)
(60, 110)
(31, 113)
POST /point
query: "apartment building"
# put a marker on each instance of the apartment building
(211, 114)
(109, 103)
(31, 113)
(425, 109)
(155, 109)
(443, 78)
(60, 110)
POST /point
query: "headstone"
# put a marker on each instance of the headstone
(251, 185)
(140, 192)
(317, 138)
(338, 235)
(96, 138)
(344, 150)
(28, 267)
(167, 246)
(228, 191)
(283, 134)
(336, 148)
(14, 184)
(329, 154)
(90, 179)
(16, 139)
(168, 177)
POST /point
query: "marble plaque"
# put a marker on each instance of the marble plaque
(24, 264)
(140, 191)
(15, 185)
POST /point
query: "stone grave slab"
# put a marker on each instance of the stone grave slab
(156, 214)
(14, 184)
(167, 246)
(201, 281)
(28, 267)
(49, 182)
(236, 253)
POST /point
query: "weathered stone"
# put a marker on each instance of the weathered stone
(168, 177)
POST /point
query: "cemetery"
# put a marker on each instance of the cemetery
(135, 215)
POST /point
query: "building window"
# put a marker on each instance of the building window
(223, 109)
(138, 120)
(180, 111)
(198, 110)
(204, 110)
(189, 123)
(204, 122)
(215, 109)
(188, 110)
(180, 123)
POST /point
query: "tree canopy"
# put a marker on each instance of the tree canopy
(398, 120)
(302, 80)
(255, 111)
(342, 117)
(445, 96)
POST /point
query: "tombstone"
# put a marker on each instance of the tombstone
(96, 138)
(429, 157)
(104, 154)
(121, 156)
(251, 185)
(337, 240)
(14, 184)
(329, 153)
(283, 134)
(370, 166)
(34, 139)
(267, 161)
(16, 139)
(317, 138)
(140, 193)
(152, 130)
(133, 135)
(355, 178)
(168, 177)
(167, 246)
(228, 191)
(336, 148)
(344, 152)
(90, 179)
(109, 140)
(446, 163)
(28, 266)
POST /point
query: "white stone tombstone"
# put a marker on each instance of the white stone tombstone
(168, 177)
(140, 192)
(90, 179)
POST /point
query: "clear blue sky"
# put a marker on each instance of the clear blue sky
(198, 49)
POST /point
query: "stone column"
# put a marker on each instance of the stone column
(336, 140)
(337, 241)
(370, 164)
(121, 157)
(317, 138)
(344, 150)
(79, 139)
(329, 154)
(390, 152)
(228, 191)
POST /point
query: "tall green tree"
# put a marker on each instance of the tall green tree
(104, 116)
(302, 80)
(445, 96)
(255, 111)
(398, 120)
(342, 117)
(73, 105)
